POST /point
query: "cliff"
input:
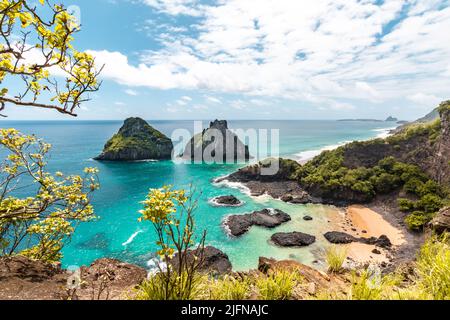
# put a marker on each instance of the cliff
(137, 140)
(217, 142)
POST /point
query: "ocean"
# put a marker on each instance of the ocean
(118, 234)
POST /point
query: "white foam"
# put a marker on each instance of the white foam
(311, 154)
(233, 185)
(214, 203)
(384, 133)
(131, 238)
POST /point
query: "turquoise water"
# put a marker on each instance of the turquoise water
(118, 234)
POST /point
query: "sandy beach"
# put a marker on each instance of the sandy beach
(361, 221)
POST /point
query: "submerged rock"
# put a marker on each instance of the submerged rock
(230, 201)
(240, 224)
(137, 140)
(293, 239)
(217, 143)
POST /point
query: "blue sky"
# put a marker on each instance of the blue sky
(283, 59)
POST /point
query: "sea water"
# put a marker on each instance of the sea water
(118, 234)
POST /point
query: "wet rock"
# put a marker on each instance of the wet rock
(231, 201)
(293, 239)
(240, 224)
(307, 218)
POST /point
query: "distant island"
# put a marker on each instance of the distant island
(388, 119)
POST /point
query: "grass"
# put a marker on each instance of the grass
(229, 288)
(161, 287)
(335, 257)
(433, 268)
(277, 286)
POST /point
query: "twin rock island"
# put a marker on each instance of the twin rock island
(137, 140)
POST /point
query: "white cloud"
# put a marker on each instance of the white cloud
(213, 99)
(131, 92)
(423, 99)
(323, 52)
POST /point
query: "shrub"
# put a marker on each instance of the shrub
(417, 220)
(405, 205)
(277, 286)
(335, 258)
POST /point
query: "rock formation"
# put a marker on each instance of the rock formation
(137, 140)
(25, 279)
(218, 144)
(227, 201)
(213, 260)
(241, 224)
(441, 223)
(293, 239)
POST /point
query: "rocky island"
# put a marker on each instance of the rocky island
(219, 142)
(137, 140)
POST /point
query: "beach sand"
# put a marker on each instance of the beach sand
(363, 222)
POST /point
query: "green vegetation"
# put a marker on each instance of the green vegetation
(171, 214)
(335, 258)
(278, 285)
(329, 177)
(48, 31)
(38, 225)
(229, 288)
(444, 106)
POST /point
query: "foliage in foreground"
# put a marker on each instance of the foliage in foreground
(430, 279)
(37, 225)
(171, 213)
(335, 258)
(37, 40)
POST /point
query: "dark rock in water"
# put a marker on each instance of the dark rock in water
(240, 224)
(293, 239)
(213, 260)
(137, 140)
(219, 143)
(99, 241)
(376, 251)
(339, 237)
(307, 218)
(231, 201)
(441, 223)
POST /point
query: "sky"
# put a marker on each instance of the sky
(263, 59)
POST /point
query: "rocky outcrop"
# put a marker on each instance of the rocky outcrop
(241, 224)
(441, 223)
(293, 239)
(218, 143)
(25, 279)
(336, 237)
(137, 140)
(211, 261)
(227, 201)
